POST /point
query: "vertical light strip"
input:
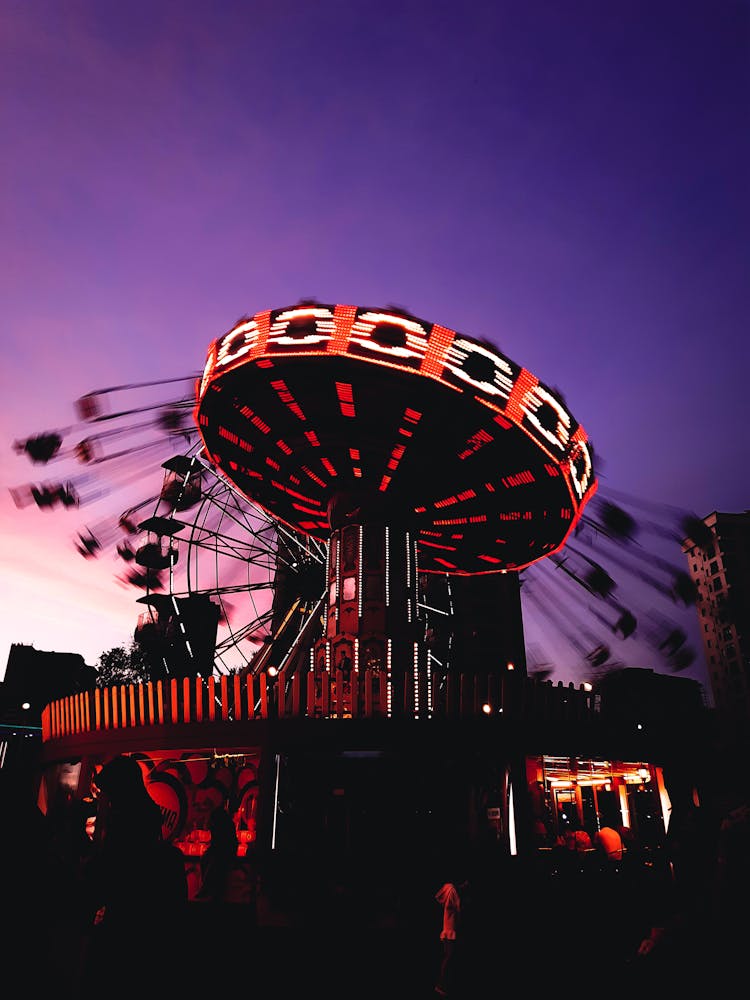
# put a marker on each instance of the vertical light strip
(178, 616)
(624, 808)
(664, 800)
(356, 652)
(339, 556)
(361, 564)
(387, 567)
(389, 678)
(328, 576)
(450, 612)
(512, 821)
(275, 801)
(429, 686)
(415, 671)
(409, 603)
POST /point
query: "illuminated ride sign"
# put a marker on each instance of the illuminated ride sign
(432, 429)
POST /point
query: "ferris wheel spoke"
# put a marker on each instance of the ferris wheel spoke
(248, 536)
(238, 550)
(247, 631)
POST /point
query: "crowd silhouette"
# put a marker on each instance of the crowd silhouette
(99, 903)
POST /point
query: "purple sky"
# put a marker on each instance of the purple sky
(569, 181)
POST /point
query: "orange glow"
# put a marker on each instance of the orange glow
(286, 397)
(346, 399)
(475, 442)
(437, 346)
(305, 510)
(343, 320)
(255, 419)
(263, 323)
(312, 475)
(524, 384)
(247, 472)
(294, 493)
(208, 372)
(519, 479)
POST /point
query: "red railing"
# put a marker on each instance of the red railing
(362, 695)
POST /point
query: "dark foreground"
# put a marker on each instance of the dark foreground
(526, 934)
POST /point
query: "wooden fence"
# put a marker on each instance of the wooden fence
(361, 695)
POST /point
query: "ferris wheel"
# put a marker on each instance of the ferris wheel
(225, 585)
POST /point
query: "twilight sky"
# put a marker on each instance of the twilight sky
(568, 181)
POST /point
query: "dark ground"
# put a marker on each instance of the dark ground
(532, 936)
(527, 933)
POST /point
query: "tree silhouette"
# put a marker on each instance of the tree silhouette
(122, 665)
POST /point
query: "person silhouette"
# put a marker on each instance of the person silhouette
(219, 860)
(608, 842)
(135, 884)
(449, 897)
(32, 886)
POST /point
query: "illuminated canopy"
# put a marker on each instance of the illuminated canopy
(408, 420)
